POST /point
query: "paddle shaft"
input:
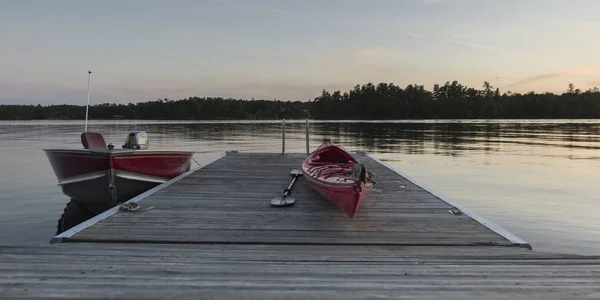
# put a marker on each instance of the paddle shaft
(288, 190)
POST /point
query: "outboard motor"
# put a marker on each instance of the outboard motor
(136, 140)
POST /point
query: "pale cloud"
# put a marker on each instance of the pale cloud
(359, 65)
(259, 7)
(595, 25)
(533, 79)
(284, 77)
(471, 44)
(451, 2)
(44, 93)
(260, 57)
(501, 80)
(583, 71)
(542, 77)
(371, 56)
(215, 34)
(489, 48)
(313, 68)
(563, 21)
(414, 34)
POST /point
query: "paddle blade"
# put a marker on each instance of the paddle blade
(283, 201)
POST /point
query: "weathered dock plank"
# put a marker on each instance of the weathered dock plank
(150, 271)
(228, 201)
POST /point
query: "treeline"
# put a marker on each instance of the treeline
(368, 101)
(193, 108)
(454, 101)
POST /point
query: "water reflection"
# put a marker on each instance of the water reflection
(439, 138)
(461, 139)
(524, 174)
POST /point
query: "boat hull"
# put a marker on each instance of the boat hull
(338, 177)
(99, 179)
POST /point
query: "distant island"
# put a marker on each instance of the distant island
(367, 102)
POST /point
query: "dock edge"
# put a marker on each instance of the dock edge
(81, 226)
(515, 240)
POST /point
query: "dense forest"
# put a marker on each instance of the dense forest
(368, 101)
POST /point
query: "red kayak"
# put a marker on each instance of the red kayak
(338, 177)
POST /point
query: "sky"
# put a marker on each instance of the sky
(143, 50)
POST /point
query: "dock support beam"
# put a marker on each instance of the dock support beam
(283, 136)
(307, 139)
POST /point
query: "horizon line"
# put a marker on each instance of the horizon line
(494, 88)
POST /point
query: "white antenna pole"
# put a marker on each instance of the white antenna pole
(88, 98)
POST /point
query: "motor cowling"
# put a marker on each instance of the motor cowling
(137, 140)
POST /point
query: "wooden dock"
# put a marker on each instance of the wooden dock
(212, 234)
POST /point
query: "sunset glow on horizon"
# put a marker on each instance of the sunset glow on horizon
(289, 50)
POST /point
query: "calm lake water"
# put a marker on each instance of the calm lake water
(538, 179)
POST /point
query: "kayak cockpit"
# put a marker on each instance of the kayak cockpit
(331, 155)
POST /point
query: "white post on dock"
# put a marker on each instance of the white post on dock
(88, 99)
(283, 136)
(307, 139)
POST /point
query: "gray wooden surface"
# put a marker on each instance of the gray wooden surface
(228, 201)
(201, 271)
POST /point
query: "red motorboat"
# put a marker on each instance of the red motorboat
(99, 177)
(338, 177)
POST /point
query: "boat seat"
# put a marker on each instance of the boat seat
(93, 140)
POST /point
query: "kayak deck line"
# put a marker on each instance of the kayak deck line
(214, 233)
